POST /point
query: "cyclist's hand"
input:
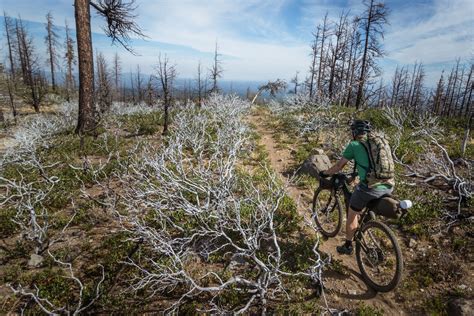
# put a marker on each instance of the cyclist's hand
(322, 174)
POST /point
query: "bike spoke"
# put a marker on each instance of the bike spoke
(378, 255)
(326, 212)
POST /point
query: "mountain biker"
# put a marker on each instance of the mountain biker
(363, 194)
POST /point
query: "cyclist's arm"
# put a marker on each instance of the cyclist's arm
(336, 167)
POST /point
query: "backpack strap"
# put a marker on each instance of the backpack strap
(367, 150)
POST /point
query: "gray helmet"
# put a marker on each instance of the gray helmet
(359, 127)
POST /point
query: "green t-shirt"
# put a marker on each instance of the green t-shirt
(356, 151)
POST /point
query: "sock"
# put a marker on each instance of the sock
(348, 243)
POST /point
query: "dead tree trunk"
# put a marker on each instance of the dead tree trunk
(8, 28)
(375, 17)
(312, 67)
(323, 39)
(70, 61)
(86, 120)
(51, 40)
(466, 135)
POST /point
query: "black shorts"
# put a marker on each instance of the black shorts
(363, 195)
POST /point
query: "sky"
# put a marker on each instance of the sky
(266, 39)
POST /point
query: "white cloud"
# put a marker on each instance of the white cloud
(249, 31)
(260, 42)
(440, 37)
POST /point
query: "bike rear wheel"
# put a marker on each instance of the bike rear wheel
(379, 256)
(327, 212)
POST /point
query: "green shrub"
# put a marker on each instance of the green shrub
(286, 217)
(426, 206)
(7, 226)
(436, 306)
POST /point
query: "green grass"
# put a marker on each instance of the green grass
(7, 226)
(366, 310)
(427, 206)
(142, 123)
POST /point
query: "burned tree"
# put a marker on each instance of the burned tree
(166, 74)
(216, 71)
(295, 81)
(139, 85)
(11, 45)
(52, 42)
(324, 35)
(199, 84)
(120, 24)
(150, 92)
(337, 51)
(70, 60)
(29, 65)
(273, 87)
(117, 74)
(372, 22)
(312, 67)
(103, 85)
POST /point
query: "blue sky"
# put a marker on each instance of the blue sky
(268, 39)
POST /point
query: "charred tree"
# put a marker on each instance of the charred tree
(70, 60)
(117, 75)
(120, 24)
(324, 35)
(8, 25)
(199, 84)
(312, 67)
(103, 85)
(372, 21)
(28, 61)
(216, 71)
(166, 74)
(52, 42)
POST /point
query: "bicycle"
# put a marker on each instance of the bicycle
(377, 251)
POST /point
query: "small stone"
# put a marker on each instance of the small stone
(412, 243)
(35, 261)
(352, 292)
(462, 286)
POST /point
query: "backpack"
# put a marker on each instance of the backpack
(381, 165)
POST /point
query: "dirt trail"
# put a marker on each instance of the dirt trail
(343, 290)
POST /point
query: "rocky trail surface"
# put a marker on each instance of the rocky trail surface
(345, 288)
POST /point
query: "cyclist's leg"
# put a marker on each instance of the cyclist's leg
(352, 222)
(357, 203)
(360, 198)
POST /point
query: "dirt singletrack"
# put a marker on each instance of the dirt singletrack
(345, 288)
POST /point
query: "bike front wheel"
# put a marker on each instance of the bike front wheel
(379, 256)
(327, 212)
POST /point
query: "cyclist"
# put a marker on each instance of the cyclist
(363, 194)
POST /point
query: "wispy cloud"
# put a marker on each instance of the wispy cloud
(438, 33)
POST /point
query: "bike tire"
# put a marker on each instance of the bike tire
(328, 221)
(396, 253)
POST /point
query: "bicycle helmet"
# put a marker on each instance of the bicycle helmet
(360, 127)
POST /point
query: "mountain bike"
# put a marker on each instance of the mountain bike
(377, 251)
